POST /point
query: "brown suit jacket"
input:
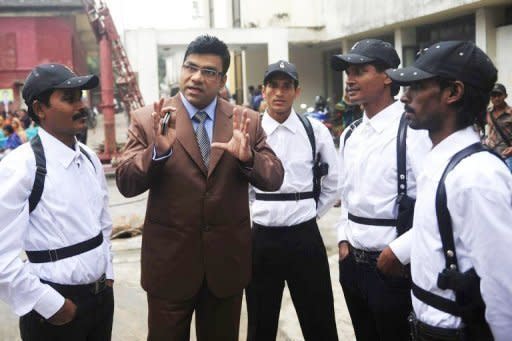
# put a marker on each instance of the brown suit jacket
(197, 223)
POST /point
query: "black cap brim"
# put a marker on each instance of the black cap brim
(80, 82)
(340, 62)
(271, 73)
(408, 75)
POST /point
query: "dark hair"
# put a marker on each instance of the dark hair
(381, 66)
(472, 106)
(8, 128)
(43, 98)
(207, 44)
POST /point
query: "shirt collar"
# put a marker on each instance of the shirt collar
(270, 125)
(192, 110)
(56, 150)
(451, 145)
(385, 117)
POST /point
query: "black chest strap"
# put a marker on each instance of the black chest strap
(38, 186)
(450, 278)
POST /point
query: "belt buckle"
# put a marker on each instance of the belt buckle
(53, 255)
(360, 256)
(297, 196)
(99, 285)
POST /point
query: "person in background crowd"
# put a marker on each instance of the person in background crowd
(13, 140)
(18, 128)
(499, 122)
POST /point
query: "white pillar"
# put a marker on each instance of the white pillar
(486, 21)
(142, 51)
(244, 77)
(404, 37)
(345, 47)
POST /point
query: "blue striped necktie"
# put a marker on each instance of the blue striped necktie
(202, 136)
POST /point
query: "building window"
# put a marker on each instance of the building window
(462, 28)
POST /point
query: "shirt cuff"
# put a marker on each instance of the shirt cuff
(156, 157)
(109, 273)
(401, 247)
(341, 233)
(49, 303)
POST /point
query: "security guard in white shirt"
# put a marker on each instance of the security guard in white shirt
(372, 226)
(53, 205)
(462, 283)
(287, 246)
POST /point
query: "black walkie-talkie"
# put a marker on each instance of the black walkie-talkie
(165, 123)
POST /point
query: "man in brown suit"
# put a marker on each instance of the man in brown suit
(196, 245)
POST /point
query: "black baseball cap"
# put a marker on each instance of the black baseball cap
(367, 51)
(53, 76)
(498, 87)
(458, 60)
(281, 66)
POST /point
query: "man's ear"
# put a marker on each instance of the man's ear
(223, 81)
(456, 91)
(38, 108)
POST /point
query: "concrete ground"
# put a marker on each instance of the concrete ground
(131, 306)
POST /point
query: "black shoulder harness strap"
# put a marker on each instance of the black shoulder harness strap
(311, 135)
(350, 130)
(405, 203)
(443, 215)
(37, 188)
(446, 233)
(401, 157)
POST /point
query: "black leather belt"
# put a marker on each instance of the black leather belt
(77, 289)
(46, 256)
(421, 331)
(371, 221)
(363, 256)
(284, 196)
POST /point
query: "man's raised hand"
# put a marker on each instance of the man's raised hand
(239, 145)
(163, 140)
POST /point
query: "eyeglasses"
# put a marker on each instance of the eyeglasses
(205, 72)
(496, 94)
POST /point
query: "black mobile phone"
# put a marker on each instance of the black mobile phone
(165, 123)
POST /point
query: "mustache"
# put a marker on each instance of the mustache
(79, 115)
(409, 109)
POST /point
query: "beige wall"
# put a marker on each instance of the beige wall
(308, 61)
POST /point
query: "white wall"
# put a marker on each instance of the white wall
(293, 13)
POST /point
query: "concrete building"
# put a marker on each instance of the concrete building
(308, 32)
(34, 32)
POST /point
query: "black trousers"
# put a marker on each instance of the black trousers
(378, 308)
(296, 255)
(93, 321)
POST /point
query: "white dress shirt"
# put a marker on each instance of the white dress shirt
(290, 142)
(479, 199)
(72, 209)
(368, 180)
